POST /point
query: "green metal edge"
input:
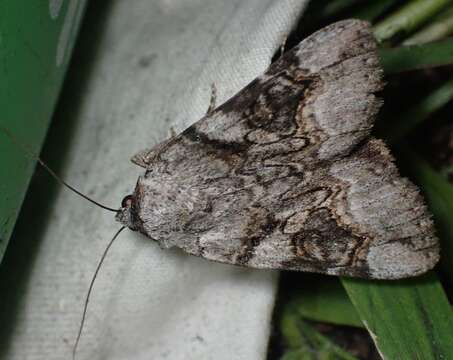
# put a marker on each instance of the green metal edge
(35, 45)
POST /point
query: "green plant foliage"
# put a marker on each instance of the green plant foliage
(321, 298)
(405, 58)
(441, 27)
(408, 319)
(305, 343)
(408, 18)
(439, 194)
(420, 111)
(373, 9)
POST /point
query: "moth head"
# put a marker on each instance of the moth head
(161, 207)
(127, 214)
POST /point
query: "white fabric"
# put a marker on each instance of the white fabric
(155, 65)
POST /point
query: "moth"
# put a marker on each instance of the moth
(285, 175)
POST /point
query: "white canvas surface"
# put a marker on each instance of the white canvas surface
(155, 65)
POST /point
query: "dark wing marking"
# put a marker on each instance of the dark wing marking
(283, 175)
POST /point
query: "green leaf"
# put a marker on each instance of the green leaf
(407, 319)
(408, 18)
(332, 8)
(373, 9)
(420, 111)
(439, 194)
(305, 343)
(441, 27)
(324, 299)
(405, 58)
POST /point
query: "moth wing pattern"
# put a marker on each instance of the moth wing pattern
(284, 175)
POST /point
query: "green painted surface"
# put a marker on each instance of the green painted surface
(36, 39)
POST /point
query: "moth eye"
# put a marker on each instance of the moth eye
(127, 201)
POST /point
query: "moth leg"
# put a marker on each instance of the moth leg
(213, 99)
(145, 157)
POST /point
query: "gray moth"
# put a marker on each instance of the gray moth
(285, 175)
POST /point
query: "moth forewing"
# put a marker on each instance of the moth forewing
(284, 175)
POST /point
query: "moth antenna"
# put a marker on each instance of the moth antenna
(87, 299)
(50, 171)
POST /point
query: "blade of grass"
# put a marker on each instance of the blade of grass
(324, 299)
(440, 28)
(334, 7)
(408, 18)
(405, 58)
(305, 343)
(439, 194)
(408, 319)
(373, 10)
(407, 121)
